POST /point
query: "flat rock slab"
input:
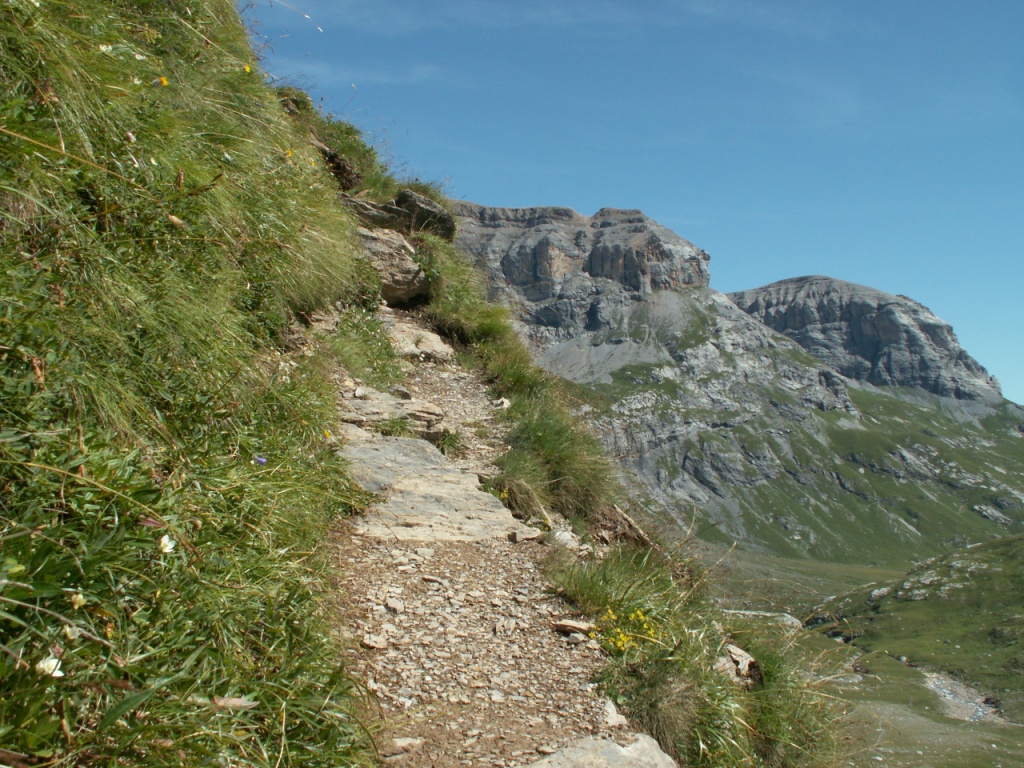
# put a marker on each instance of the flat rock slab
(425, 497)
(603, 753)
(372, 408)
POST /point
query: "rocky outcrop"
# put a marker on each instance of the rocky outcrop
(424, 498)
(408, 213)
(564, 262)
(870, 335)
(371, 409)
(402, 279)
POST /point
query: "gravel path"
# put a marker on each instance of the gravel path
(454, 638)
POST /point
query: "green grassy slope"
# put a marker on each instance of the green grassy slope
(962, 613)
(906, 480)
(164, 469)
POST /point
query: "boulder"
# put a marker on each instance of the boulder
(402, 279)
(424, 215)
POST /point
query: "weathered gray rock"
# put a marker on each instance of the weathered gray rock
(409, 213)
(425, 498)
(603, 753)
(402, 279)
(870, 335)
(413, 342)
(424, 215)
(564, 262)
(371, 408)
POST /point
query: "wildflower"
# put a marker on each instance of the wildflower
(72, 633)
(140, 57)
(167, 544)
(77, 600)
(327, 434)
(104, 48)
(247, 69)
(162, 82)
(49, 667)
(260, 460)
(287, 153)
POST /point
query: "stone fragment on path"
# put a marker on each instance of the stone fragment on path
(602, 753)
(569, 626)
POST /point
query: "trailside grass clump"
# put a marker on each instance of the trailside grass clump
(166, 474)
(664, 638)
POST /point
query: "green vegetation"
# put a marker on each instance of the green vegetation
(962, 614)
(165, 473)
(658, 627)
(450, 443)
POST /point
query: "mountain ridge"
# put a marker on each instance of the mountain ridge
(870, 335)
(706, 406)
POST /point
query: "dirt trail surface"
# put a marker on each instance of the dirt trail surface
(452, 620)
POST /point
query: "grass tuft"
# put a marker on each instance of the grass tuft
(664, 638)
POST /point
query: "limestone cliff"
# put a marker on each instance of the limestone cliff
(538, 251)
(870, 335)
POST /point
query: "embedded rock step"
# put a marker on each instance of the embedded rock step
(424, 497)
(604, 753)
(369, 408)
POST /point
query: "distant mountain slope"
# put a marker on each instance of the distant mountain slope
(709, 409)
(870, 335)
(962, 613)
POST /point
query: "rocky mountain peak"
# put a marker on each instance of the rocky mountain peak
(870, 335)
(537, 250)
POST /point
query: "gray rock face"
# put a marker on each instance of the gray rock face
(564, 262)
(871, 336)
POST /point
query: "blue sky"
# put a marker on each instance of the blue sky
(876, 142)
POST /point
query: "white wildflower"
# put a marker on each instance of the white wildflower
(72, 632)
(77, 600)
(104, 48)
(167, 544)
(50, 667)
